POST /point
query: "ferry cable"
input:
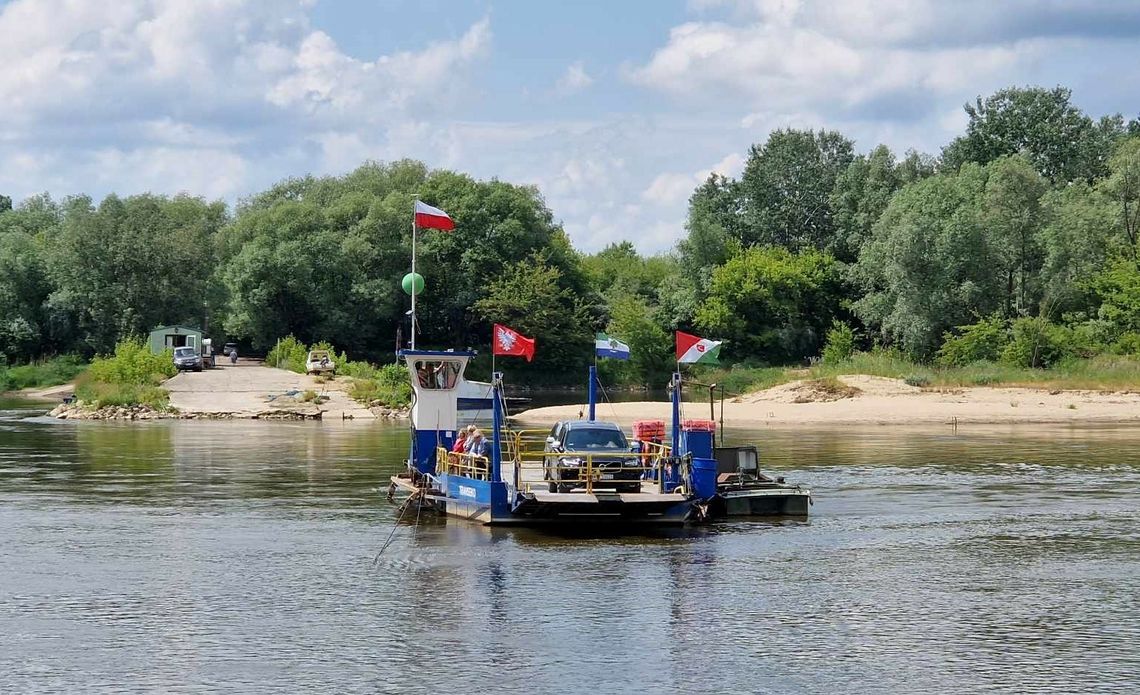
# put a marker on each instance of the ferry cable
(396, 524)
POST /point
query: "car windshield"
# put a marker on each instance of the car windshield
(592, 439)
(184, 352)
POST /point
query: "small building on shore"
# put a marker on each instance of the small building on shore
(170, 337)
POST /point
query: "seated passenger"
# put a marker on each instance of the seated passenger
(478, 444)
(461, 439)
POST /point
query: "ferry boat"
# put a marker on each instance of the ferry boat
(513, 485)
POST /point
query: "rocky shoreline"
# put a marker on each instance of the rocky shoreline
(79, 411)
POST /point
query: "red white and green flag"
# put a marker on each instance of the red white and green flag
(694, 350)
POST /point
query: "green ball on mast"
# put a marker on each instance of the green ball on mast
(409, 280)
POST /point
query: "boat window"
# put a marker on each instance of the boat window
(437, 374)
(586, 439)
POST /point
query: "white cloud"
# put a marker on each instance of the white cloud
(194, 95)
(792, 67)
(575, 79)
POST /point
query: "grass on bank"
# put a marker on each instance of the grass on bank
(1100, 373)
(52, 371)
(129, 377)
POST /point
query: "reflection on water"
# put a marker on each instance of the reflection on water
(232, 556)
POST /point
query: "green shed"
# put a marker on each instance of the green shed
(170, 337)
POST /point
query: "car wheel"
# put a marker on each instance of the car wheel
(553, 487)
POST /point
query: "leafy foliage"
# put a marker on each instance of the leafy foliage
(133, 363)
(1062, 143)
(840, 343)
(288, 353)
(1030, 219)
(47, 372)
(772, 303)
(976, 342)
(651, 349)
(128, 377)
(786, 189)
(530, 296)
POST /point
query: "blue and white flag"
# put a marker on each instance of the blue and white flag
(609, 347)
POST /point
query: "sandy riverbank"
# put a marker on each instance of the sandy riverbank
(246, 390)
(880, 401)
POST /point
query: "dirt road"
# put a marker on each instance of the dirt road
(250, 389)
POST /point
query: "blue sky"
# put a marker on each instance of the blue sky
(615, 110)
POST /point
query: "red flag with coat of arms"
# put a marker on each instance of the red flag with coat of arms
(507, 341)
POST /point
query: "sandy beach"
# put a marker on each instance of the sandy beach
(880, 401)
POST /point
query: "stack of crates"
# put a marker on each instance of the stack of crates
(649, 430)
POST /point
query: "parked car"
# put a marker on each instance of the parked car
(319, 362)
(570, 442)
(228, 348)
(187, 358)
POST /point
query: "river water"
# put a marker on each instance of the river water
(241, 557)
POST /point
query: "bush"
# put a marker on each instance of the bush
(840, 343)
(127, 378)
(387, 385)
(49, 372)
(1037, 343)
(981, 341)
(99, 394)
(133, 363)
(289, 353)
(917, 380)
(1127, 344)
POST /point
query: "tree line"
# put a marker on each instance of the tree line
(1025, 225)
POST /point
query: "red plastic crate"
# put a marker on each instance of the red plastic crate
(649, 429)
(699, 425)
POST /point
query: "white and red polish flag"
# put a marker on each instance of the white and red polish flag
(428, 217)
(507, 341)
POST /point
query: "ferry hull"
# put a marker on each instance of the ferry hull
(476, 501)
(770, 502)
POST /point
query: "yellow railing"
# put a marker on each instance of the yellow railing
(468, 465)
(525, 451)
(589, 475)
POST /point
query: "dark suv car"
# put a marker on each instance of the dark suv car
(187, 358)
(568, 445)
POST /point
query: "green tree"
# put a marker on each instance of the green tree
(24, 288)
(714, 230)
(1062, 143)
(786, 187)
(129, 265)
(651, 352)
(1012, 218)
(773, 304)
(1078, 237)
(1123, 188)
(530, 298)
(861, 194)
(929, 264)
(322, 258)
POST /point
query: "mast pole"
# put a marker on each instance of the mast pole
(413, 275)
